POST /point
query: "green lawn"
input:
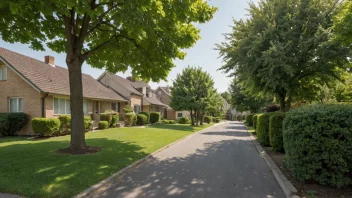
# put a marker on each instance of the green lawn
(32, 168)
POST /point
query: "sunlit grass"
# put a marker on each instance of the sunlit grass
(32, 168)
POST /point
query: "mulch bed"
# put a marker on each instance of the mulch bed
(308, 189)
(88, 150)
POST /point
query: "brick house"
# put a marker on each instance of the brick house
(139, 94)
(164, 95)
(41, 89)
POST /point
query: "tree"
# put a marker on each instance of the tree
(110, 34)
(285, 48)
(193, 91)
(227, 96)
(343, 23)
(243, 100)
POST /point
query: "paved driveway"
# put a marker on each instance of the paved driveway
(219, 162)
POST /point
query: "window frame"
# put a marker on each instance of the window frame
(179, 114)
(61, 98)
(17, 102)
(117, 105)
(3, 69)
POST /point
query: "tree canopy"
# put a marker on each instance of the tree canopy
(343, 23)
(193, 90)
(285, 48)
(112, 34)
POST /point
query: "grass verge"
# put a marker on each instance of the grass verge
(32, 168)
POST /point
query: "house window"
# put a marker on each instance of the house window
(61, 106)
(115, 106)
(179, 115)
(97, 106)
(3, 73)
(85, 107)
(137, 108)
(15, 105)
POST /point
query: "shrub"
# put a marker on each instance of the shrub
(184, 120)
(255, 121)
(65, 124)
(318, 143)
(10, 123)
(275, 131)
(217, 119)
(88, 125)
(114, 120)
(129, 119)
(154, 117)
(142, 119)
(249, 119)
(146, 114)
(103, 124)
(172, 122)
(45, 126)
(244, 117)
(272, 108)
(128, 110)
(263, 129)
(208, 119)
(165, 121)
(106, 117)
(239, 117)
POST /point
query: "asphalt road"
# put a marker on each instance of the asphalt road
(219, 162)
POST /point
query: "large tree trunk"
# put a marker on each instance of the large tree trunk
(197, 117)
(282, 98)
(76, 98)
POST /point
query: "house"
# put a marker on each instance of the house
(139, 95)
(164, 95)
(41, 89)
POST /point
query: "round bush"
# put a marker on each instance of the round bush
(45, 126)
(255, 121)
(106, 117)
(154, 117)
(184, 120)
(10, 123)
(142, 119)
(65, 124)
(208, 119)
(114, 120)
(249, 119)
(88, 125)
(275, 131)
(130, 119)
(318, 143)
(103, 124)
(172, 122)
(263, 129)
(146, 114)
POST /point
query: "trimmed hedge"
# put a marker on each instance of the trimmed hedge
(255, 121)
(88, 125)
(318, 143)
(10, 123)
(103, 124)
(65, 124)
(275, 131)
(45, 126)
(146, 114)
(208, 119)
(249, 119)
(130, 119)
(154, 117)
(217, 119)
(114, 120)
(263, 129)
(142, 119)
(128, 110)
(184, 120)
(106, 117)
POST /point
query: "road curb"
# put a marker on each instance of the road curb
(286, 186)
(104, 184)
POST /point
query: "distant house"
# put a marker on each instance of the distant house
(139, 95)
(164, 95)
(41, 89)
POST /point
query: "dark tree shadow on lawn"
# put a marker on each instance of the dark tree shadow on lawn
(34, 169)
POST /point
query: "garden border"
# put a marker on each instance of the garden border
(286, 186)
(105, 183)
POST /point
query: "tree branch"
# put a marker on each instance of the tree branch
(95, 49)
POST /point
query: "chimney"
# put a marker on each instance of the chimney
(50, 60)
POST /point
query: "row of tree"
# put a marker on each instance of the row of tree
(193, 91)
(289, 51)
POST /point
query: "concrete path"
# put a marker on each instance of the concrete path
(219, 162)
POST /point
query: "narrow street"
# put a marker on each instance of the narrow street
(219, 162)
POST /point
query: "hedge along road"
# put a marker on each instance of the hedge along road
(218, 162)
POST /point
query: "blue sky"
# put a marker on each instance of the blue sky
(202, 54)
